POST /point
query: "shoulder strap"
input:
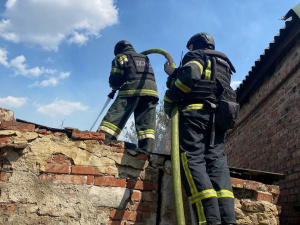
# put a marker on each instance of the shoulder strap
(221, 55)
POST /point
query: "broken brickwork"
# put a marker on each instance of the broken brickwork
(70, 177)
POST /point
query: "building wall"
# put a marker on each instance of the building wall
(267, 135)
(52, 178)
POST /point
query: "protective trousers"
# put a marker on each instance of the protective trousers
(144, 109)
(204, 171)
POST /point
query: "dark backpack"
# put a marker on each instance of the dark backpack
(227, 107)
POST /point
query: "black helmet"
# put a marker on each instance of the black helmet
(201, 40)
(119, 47)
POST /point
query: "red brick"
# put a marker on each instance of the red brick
(61, 159)
(109, 182)
(42, 131)
(114, 214)
(86, 135)
(263, 196)
(144, 206)
(8, 125)
(148, 196)
(136, 196)
(90, 180)
(4, 139)
(237, 183)
(142, 185)
(79, 169)
(57, 168)
(251, 185)
(75, 179)
(125, 215)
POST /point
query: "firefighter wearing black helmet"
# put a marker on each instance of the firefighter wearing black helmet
(133, 76)
(204, 170)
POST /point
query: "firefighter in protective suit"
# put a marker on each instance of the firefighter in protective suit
(133, 76)
(204, 170)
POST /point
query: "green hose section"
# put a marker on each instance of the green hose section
(175, 157)
(166, 54)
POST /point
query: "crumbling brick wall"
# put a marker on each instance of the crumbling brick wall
(73, 178)
(267, 135)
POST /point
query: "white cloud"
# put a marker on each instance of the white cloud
(20, 68)
(49, 22)
(51, 81)
(61, 107)
(235, 84)
(5, 33)
(79, 39)
(3, 57)
(12, 102)
(64, 75)
(10, 3)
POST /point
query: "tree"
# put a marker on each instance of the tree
(162, 131)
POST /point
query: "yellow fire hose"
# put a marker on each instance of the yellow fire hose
(175, 159)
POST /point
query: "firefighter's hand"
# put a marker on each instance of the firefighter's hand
(169, 69)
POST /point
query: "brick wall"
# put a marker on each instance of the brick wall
(56, 177)
(269, 139)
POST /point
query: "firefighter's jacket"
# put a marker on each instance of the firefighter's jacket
(132, 75)
(196, 66)
(195, 81)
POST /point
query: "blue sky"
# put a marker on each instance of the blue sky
(55, 55)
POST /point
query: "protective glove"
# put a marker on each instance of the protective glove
(169, 69)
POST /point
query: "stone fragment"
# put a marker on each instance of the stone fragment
(252, 206)
(6, 115)
(114, 197)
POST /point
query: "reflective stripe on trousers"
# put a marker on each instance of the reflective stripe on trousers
(110, 128)
(205, 174)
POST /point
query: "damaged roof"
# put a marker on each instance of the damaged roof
(266, 63)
